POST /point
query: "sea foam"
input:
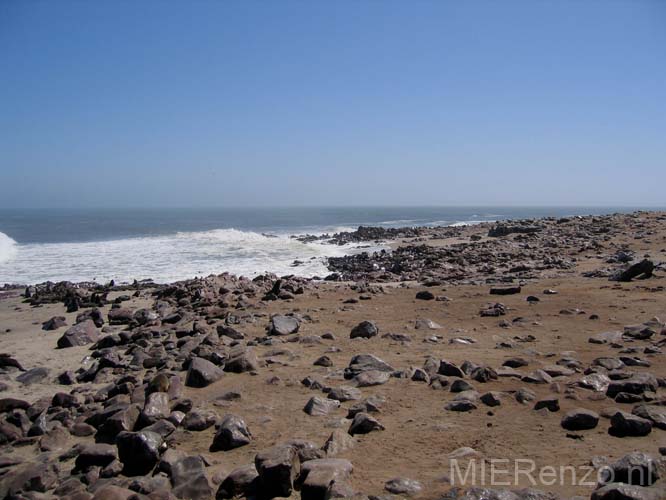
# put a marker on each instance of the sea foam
(166, 258)
(7, 248)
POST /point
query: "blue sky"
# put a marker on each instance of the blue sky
(161, 103)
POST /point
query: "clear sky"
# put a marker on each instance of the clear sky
(207, 103)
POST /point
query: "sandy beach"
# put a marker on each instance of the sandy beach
(453, 375)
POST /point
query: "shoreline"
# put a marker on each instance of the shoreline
(483, 348)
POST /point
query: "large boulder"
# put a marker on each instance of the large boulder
(232, 433)
(99, 455)
(240, 360)
(637, 384)
(277, 467)
(139, 452)
(625, 424)
(324, 478)
(366, 362)
(241, 482)
(364, 330)
(202, 373)
(83, 333)
(283, 325)
(188, 477)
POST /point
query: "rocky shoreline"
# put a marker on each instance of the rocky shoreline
(536, 339)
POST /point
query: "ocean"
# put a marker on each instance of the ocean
(174, 244)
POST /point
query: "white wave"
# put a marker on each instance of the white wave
(396, 222)
(469, 223)
(7, 248)
(168, 258)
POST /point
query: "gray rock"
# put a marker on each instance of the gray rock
(199, 420)
(33, 376)
(365, 362)
(156, 408)
(317, 406)
(241, 360)
(371, 377)
(338, 442)
(636, 468)
(283, 325)
(621, 491)
(344, 393)
(403, 486)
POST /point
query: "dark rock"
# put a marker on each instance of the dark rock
(551, 404)
(636, 468)
(625, 424)
(365, 362)
(241, 360)
(365, 330)
(188, 478)
(202, 373)
(139, 452)
(323, 478)
(242, 481)
(80, 334)
(580, 419)
(277, 467)
(622, 491)
(363, 424)
(99, 455)
(232, 433)
(642, 269)
(54, 323)
(425, 295)
(639, 383)
(510, 290)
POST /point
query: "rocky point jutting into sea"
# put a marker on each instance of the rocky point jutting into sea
(455, 348)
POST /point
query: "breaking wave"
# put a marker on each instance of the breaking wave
(164, 258)
(7, 248)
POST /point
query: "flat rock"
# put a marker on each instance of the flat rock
(283, 325)
(317, 406)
